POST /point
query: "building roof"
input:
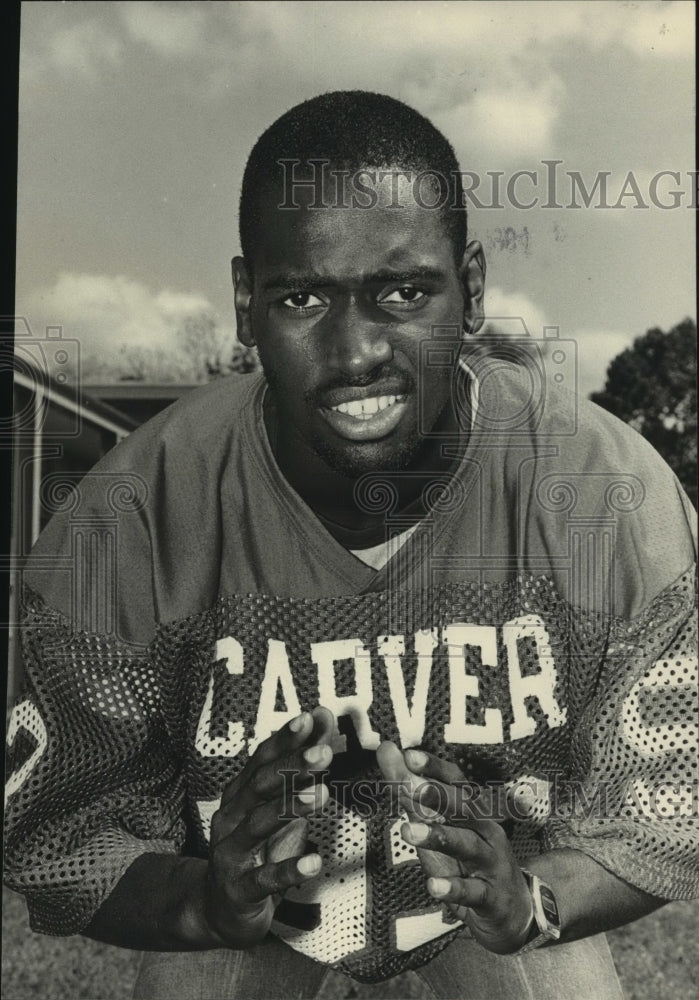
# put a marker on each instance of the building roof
(66, 393)
(139, 400)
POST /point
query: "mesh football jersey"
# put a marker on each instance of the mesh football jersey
(536, 626)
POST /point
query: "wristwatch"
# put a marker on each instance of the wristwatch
(546, 921)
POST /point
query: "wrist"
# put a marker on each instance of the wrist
(545, 922)
(191, 926)
(529, 929)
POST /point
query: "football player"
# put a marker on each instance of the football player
(383, 663)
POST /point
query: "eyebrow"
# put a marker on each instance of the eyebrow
(304, 282)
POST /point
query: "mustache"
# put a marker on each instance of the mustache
(377, 377)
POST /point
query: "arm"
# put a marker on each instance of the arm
(94, 826)
(591, 899)
(470, 864)
(158, 905)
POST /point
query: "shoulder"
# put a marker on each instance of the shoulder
(577, 475)
(532, 413)
(145, 501)
(201, 423)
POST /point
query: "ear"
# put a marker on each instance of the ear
(243, 299)
(473, 280)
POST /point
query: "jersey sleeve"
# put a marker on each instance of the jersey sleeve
(632, 802)
(93, 779)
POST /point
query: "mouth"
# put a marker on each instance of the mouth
(367, 419)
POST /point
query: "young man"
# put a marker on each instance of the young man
(294, 647)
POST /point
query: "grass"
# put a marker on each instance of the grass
(654, 958)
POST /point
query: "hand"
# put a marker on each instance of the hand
(488, 891)
(256, 849)
(394, 770)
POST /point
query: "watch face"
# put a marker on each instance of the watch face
(548, 904)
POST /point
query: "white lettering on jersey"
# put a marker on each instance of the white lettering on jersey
(280, 678)
(410, 719)
(420, 928)
(464, 685)
(326, 655)
(25, 715)
(206, 809)
(540, 686)
(340, 892)
(231, 651)
(651, 741)
(277, 675)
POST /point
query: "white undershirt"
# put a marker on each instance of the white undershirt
(378, 555)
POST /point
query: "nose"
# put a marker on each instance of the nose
(358, 341)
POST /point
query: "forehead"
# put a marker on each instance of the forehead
(347, 237)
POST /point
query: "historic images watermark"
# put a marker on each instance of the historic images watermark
(530, 799)
(550, 186)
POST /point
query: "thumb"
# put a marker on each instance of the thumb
(288, 842)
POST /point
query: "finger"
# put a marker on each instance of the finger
(460, 804)
(278, 746)
(270, 879)
(465, 845)
(324, 725)
(470, 893)
(268, 818)
(456, 803)
(292, 735)
(262, 773)
(431, 766)
(260, 823)
(490, 801)
(418, 811)
(289, 841)
(277, 783)
(392, 764)
(294, 770)
(396, 774)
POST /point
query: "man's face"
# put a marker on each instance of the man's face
(342, 299)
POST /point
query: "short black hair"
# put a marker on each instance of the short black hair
(352, 129)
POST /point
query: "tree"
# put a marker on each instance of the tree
(199, 350)
(652, 386)
(213, 353)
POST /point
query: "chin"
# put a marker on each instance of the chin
(355, 460)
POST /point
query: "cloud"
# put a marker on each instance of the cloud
(504, 120)
(594, 349)
(115, 318)
(172, 30)
(490, 73)
(84, 47)
(513, 313)
(661, 29)
(81, 49)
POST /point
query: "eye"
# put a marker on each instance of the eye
(300, 301)
(405, 295)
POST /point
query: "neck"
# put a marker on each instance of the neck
(331, 495)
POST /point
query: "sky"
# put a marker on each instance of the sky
(136, 120)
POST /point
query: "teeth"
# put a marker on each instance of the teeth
(364, 409)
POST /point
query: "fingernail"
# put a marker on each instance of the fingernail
(438, 886)
(525, 796)
(309, 864)
(432, 815)
(314, 755)
(418, 832)
(307, 796)
(416, 758)
(297, 724)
